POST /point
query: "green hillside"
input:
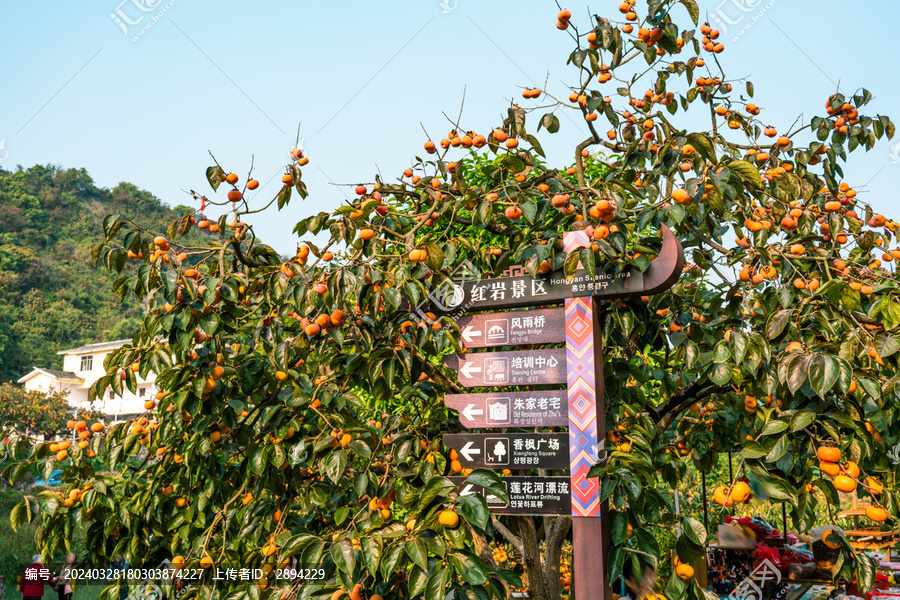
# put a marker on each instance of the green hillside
(51, 296)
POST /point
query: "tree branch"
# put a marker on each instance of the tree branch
(665, 414)
(509, 536)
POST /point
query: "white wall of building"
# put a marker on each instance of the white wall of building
(110, 404)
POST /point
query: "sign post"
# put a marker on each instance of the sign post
(580, 407)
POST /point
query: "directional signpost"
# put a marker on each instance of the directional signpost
(511, 409)
(511, 450)
(527, 495)
(513, 328)
(580, 406)
(526, 367)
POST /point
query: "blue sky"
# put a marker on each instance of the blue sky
(236, 78)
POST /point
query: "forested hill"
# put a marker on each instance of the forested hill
(51, 296)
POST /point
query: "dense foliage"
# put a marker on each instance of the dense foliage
(779, 341)
(51, 296)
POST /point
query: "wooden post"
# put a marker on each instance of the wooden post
(587, 427)
(590, 535)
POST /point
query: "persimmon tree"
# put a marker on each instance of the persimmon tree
(275, 435)
(41, 413)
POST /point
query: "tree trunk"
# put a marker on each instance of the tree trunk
(527, 532)
(557, 529)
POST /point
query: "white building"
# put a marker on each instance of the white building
(81, 368)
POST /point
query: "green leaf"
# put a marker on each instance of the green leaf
(571, 264)
(746, 171)
(468, 567)
(823, 373)
(344, 557)
(434, 586)
(490, 481)
(587, 261)
(393, 296)
(281, 355)
(214, 176)
(739, 343)
(721, 374)
(887, 346)
(773, 427)
(705, 147)
(850, 298)
(693, 9)
(258, 461)
(694, 530)
(797, 373)
(777, 322)
(777, 489)
(284, 196)
(416, 551)
(20, 514)
(802, 419)
(436, 486)
(475, 509)
(340, 515)
(753, 450)
(778, 449)
(335, 464)
(372, 547)
(416, 581)
(529, 210)
(435, 256)
(550, 122)
(865, 571)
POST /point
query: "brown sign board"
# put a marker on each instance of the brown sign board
(546, 326)
(527, 495)
(524, 290)
(511, 409)
(521, 367)
(511, 450)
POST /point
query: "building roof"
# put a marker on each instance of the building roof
(96, 347)
(53, 374)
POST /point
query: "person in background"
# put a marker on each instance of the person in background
(120, 565)
(640, 580)
(63, 582)
(31, 584)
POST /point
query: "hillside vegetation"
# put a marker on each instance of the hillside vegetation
(51, 296)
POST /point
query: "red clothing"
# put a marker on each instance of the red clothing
(32, 585)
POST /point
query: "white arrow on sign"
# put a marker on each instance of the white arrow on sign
(468, 490)
(468, 450)
(470, 412)
(469, 333)
(469, 368)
